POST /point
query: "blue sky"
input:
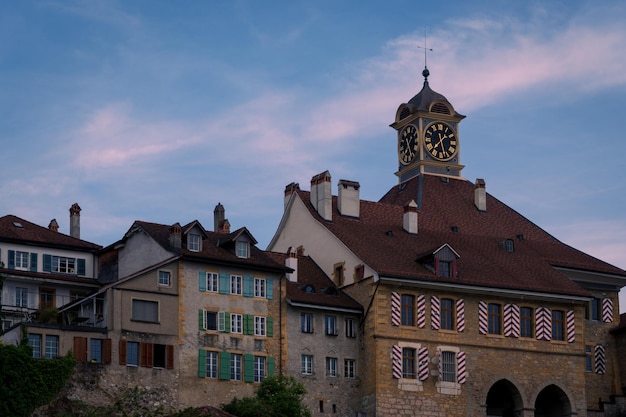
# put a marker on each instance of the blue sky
(158, 110)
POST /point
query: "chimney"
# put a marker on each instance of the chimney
(290, 189)
(218, 217)
(175, 236)
(292, 262)
(75, 221)
(409, 222)
(224, 226)
(54, 226)
(348, 202)
(480, 195)
(321, 196)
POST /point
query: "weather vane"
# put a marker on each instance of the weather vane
(425, 73)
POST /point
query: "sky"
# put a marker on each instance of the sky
(157, 110)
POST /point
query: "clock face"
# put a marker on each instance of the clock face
(440, 141)
(408, 144)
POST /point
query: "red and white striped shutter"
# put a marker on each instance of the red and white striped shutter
(607, 310)
(422, 363)
(600, 359)
(460, 315)
(421, 311)
(511, 320)
(571, 326)
(462, 370)
(396, 359)
(482, 318)
(543, 323)
(440, 364)
(395, 309)
(435, 313)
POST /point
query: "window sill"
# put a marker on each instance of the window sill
(407, 384)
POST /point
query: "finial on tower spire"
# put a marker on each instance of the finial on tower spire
(425, 72)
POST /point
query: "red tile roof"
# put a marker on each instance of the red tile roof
(378, 238)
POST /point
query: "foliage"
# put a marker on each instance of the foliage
(277, 396)
(48, 316)
(27, 383)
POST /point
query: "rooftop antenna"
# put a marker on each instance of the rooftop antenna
(425, 73)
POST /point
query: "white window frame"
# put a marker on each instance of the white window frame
(331, 367)
(194, 242)
(52, 348)
(21, 260)
(236, 284)
(260, 287)
(21, 297)
(349, 366)
(448, 387)
(165, 282)
(306, 364)
(259, 368)
(236, 370)
(330, 325)
(242, 249)
(306, 322)
(212, 364)
(212, 282)
(350, 329)
(206, 320)
(63, 265)
(260, 326)
(236, 323)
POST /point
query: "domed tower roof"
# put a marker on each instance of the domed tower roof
(427, 100)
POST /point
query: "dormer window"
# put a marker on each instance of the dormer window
(442, 262)
(508, 245)
(444, 269)
(242, 249)
(193, 242)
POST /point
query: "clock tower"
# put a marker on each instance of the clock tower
(428, 135)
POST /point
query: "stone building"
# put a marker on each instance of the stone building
(470, 309)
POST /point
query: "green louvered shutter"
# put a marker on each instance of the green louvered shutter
(224, 321)
(248, 286)
(224, 366)
(270, 366)
(248, 367)
(202, 281)
(11, 255)
(201, 325)
(33, 262)
(270, 327)
(47, 263)
(202, 363)
(270, 289)
(80, 267)
(224, 284)
(248, 324)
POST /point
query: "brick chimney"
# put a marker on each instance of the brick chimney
(75, 221)
(176, 236)
(409, 221)
(321, 196)
(290, 189)
(348, 202)
(54, 226)
(224, 226)
(292, 262)
(480, 195)
(218, 217)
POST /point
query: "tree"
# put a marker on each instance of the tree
(277, 396)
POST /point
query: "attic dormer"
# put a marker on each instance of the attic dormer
(442, 262)
(193, 235)
(239, 242)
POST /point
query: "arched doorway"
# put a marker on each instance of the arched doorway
(504, 400)
(552, 402)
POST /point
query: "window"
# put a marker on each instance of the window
(557, 325)
(259, 287)
(21, 260)
(408, 363)
(34, 341)
(63, 265)
(165, 278)
(447, 314)
(210, 320)
(260, 326)
(350, 329)
(331, 367)
(349, 368)
(193, 243)
(259, 368)
(593, 309)
(408, 310)
(339, 278)
(242, 249)
(445, 269)
(448, 366)
(211, 364)
(306, 364)
(494, 314)
(588, 359)
(143, 310)
(132, 353)
(508, 245)
(212, 282)
(306, 323)
(330, 325)
(526, 322)
(236, 321)
(235, 367)
(46, 298)
(235, 284)
(160, 352)
(52, 347)
(95, 350)
(21, 297)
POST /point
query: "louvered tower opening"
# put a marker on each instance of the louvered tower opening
(440, 108)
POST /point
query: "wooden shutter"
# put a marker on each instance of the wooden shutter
(147, 355)
(270, 366)
(422, 363)
(169, 359)
(202, 281)
(248, 324)
(543, 323)
(248, 286)
(202, 363)
(106, 351)
(33, 262)
(571, 326)
(122, 349)
(461, 369)
(483, 326)
(224, 283)
(435, 313)
(201, 317)
(11, 255)
(600, 359)
(248, 367)
(80, 349)
(395, 309)
(269, 289)
(460, 315)
(421, 311)
(47, 263)
(512, 320)
(270, 327)
(224, 366)
(607, 310)
(396, 361)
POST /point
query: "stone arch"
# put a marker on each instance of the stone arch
(553, 401)
(504, 399)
